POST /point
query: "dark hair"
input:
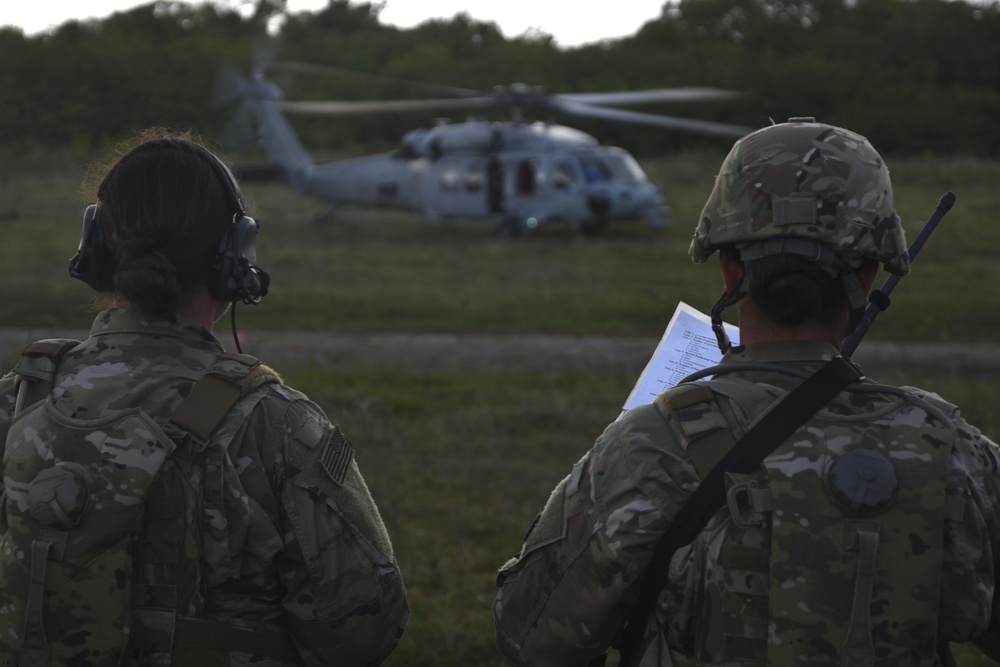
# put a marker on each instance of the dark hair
(163, 209)
(791, 290)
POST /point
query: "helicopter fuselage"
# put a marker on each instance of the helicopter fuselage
(516, 174)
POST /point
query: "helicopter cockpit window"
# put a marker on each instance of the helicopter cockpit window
(624, 165)
(595, 170)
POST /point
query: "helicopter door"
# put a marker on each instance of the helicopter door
(526, 177)
(494, 187)
(522, 203)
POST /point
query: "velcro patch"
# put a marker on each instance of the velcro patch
(338, 453)
(693, 410)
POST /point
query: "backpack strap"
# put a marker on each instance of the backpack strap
(36, 368)
(224, 395)
(215, 394)
(200, 413)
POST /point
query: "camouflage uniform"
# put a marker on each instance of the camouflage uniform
(563, 598)
(287, 545)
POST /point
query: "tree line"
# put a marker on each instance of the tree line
(918, 77)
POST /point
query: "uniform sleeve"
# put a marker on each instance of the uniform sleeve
(563, 599)
(970, 605)
(344, 598)
(7, 400)
(972, 542)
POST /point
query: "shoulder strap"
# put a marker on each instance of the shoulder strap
(217, 392)
(36, 367)
(770, 431)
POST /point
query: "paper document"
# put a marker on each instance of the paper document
(687, 345)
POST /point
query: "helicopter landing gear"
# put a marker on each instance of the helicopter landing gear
(592, 227)
(510, 227)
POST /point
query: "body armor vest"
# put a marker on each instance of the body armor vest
(831, 553)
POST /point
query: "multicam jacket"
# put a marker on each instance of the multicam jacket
(872, 533)
(287, 544)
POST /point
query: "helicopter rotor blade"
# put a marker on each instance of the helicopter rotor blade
(690, 94)
(669, 122)
(329, 70)
(344, 108)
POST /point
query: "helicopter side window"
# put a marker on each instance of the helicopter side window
(563, 175)
(526, 177)
(449, 178)
(474, 177)
(594, 170)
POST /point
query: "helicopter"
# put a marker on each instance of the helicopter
(515, 174)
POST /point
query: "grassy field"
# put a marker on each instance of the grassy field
(460, 463)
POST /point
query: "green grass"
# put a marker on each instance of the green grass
(460, 463)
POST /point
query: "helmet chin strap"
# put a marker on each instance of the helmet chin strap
(727, 299)
(857, 302)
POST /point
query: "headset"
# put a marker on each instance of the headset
(233, 275)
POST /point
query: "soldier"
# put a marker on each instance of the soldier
(870, 536)
(237, 506)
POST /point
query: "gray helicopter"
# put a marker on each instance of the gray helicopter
(514, 174)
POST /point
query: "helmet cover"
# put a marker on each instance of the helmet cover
(807, 180)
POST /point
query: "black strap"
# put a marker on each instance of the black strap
(773, 428)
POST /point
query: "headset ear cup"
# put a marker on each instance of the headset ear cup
(94, 263)
(218, 275)
(235, 275)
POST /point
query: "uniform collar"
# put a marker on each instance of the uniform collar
(792, 353)
(802, 355)
(127, 321)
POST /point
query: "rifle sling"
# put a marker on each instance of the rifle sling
(773, 428)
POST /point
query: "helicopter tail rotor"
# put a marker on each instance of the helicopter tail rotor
(229, 86)
(240, 130)
(263, 52)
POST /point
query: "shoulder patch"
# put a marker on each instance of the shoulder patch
(699, 422)
(693, 409)
(338, 453)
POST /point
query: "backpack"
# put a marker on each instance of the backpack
(97, 518)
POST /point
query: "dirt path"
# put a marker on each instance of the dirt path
(473, 352)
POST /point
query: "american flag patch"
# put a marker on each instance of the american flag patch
(337, 456)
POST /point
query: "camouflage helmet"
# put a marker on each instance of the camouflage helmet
(806, 180)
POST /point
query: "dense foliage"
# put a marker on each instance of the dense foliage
(916, 76)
